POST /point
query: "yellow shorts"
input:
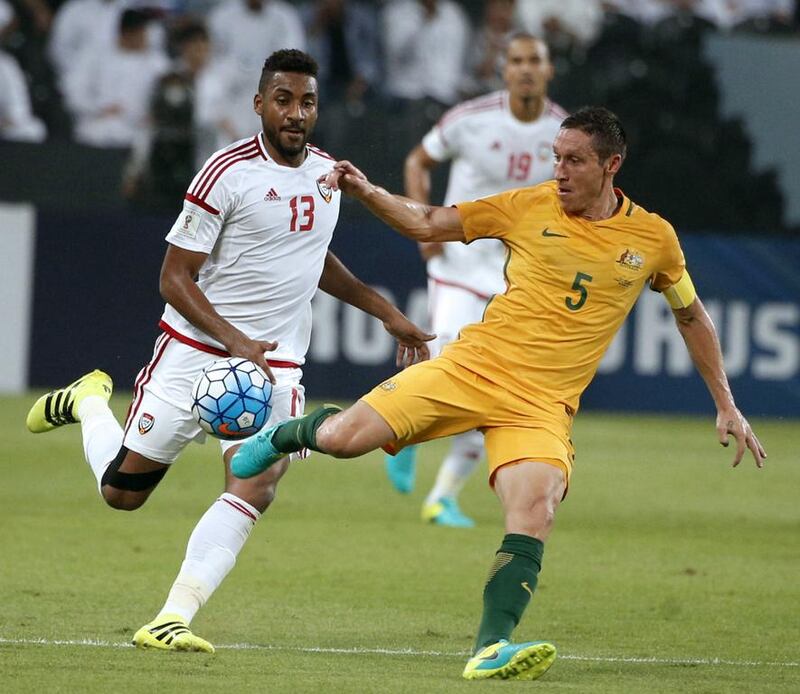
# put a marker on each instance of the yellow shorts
(439, 398)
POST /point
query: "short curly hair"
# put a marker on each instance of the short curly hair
(287, 60)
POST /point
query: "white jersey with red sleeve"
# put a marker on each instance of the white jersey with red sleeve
(266, 229)
(491, 152)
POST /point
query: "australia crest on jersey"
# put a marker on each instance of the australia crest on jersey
(324, 189)
(146, 422)
(630, 259)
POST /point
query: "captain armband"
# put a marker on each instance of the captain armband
(682, 293)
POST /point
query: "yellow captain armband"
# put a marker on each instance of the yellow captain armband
(682, 293)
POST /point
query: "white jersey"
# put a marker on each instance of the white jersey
(266, 228)
(492, 152)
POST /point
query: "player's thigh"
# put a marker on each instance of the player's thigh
(451, 308)
(288, 401)
(160, 424)
(430, 400)
(130, 479)
(507, 446)
(530, 492)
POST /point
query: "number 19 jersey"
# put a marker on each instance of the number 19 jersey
(266, 229)
(491, 152)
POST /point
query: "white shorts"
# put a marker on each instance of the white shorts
(451, 308)
(160, 424)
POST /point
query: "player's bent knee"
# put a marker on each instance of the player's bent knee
(127, 491)
(122, 500)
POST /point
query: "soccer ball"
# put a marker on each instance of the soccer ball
(232, 398)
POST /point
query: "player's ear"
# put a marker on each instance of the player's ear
(614, 163)
(258, 104)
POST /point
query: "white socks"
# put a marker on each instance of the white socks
(465, 453)
(102, 434)
(211, 553)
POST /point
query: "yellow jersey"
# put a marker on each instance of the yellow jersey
(570, 283)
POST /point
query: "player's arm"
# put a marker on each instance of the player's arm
(339, 282)
(701, 340)
(417, 179)
(414, 220)
(179, 289)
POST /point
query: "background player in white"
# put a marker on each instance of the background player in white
(496, 142)
(244, 259)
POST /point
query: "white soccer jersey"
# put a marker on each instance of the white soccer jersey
(492, 152)
(266, 228)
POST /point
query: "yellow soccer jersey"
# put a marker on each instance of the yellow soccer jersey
(570, 285)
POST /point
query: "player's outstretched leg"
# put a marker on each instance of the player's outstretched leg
(511, 661)
(267, 447)
(170, 633)
(59, 407)
(401, 469)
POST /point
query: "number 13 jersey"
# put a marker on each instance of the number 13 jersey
(266, 229)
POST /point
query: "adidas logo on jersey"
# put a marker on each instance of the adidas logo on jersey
(272, 195)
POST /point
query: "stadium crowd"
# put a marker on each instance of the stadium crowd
(173, 80)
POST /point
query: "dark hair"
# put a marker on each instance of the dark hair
(133, 20)
(190, 31)
(603, 126)
(287, 60)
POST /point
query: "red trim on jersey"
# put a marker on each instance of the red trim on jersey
(216, 351)
(216, 168)
(200, 203)
(262, 148)
(143, 378)
(448, 283)
(239, 507)
(212, 163)
(317, 150)
(245, 156)
(487, 103)
(293, 408)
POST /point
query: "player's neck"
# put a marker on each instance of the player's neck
(526, 109)
(606, 206)
(283, 159)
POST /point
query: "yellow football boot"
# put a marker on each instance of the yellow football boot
(168, 632)
(511, 661)
(59, 407)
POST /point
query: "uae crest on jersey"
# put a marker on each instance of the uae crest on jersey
(324, 189)
(146, 422)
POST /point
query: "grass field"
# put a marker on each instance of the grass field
(667, 572)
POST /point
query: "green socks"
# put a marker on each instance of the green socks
(301, 433)
(509, 587)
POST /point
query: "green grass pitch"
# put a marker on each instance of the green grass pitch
(668, 571)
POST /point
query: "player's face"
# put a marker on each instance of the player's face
(528, 69)
(579, 173)
(288, 110)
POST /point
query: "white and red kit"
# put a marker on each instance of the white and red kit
(266, 229)
(491, 151)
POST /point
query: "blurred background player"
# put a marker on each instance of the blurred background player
(496, 142)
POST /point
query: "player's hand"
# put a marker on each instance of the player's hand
(430, 249)
(255, 351)
(411, 341)
(347, 178)
(731, 422)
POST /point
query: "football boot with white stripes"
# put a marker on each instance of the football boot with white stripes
(168, 632)
(59, 407)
